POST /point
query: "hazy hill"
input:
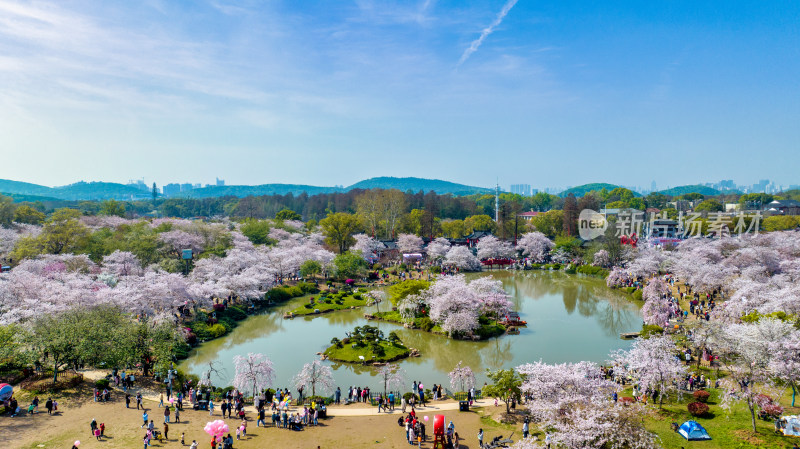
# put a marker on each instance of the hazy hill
(98, 191)
(586, 188)
(264, 189)
(417, 184)
(680, 190)
(24, 188)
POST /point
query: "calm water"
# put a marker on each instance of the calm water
(570, 318)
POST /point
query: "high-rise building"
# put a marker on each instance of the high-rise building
(171, 189)
(653, 186)
(521, 189)
(220, 182)
(185, 187)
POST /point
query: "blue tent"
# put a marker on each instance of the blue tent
(693, 431)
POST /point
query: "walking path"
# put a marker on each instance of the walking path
(357, 409)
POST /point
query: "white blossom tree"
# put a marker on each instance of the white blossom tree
(437, 249)
(409, 243)
(601, 259)
(368, 246)
(490, 247)
(253, 373)
(461, 378)
(392, 376)
(462, 258)
(785, 363)
(535, 246)
(315, 375)
(651, 362)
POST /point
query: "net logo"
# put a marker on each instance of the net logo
(591, 224)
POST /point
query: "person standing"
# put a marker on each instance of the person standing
(49, 406)
(480, 438)
(138, 400)
(166, 431)
(166, 414)
(93, 426)
(525, 429)
(338, 395)
(127, 400)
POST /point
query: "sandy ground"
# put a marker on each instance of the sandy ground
(349, 427)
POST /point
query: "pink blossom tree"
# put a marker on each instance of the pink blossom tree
(253, 373)
(368, 246)
(618, 277)
(315, 374)
(574, 401)
(461, 378)
(601, 259)
(535, 246)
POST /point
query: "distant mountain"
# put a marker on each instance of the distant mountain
(109, 190)
(21, 197)
(24, 188)
(417, 184)
(586, 188)
(680, 190)
(264, 189)
(74, 192)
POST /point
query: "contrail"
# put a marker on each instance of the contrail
(473, 47)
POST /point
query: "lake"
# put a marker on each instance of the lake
(570, 318)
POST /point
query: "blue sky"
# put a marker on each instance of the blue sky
(546, 93)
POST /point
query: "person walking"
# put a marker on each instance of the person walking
(144, 418)
(93, 426)
(138, 400)
(166, 431)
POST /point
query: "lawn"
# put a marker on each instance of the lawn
(347, 353)
(728, 429)
(320, 304)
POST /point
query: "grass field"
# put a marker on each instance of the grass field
(347, 353)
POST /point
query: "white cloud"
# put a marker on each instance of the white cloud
(473, 47)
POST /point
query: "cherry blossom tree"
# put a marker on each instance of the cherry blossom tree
(368, 246)
(123, 263)
(461, 378)
(437, 249)
(744, 350)
(785, 363)
(651, 362)
(618, 277)
(535, 246)
(462, 258)
(178, 240)
(490, 247)
(392, 376)
(253, 373)
(409, 243)
(601, 259)
(315, 374)
(574, 401)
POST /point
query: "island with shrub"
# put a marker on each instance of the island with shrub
(367, 345)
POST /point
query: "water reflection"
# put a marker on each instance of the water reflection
(548, 301)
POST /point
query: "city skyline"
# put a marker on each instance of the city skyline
(314, 93)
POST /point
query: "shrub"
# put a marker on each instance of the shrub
(307, 287)
(592, 270)
(277, 294)
(377, 266)
(102, 383)
(217, 330)
(425, 323)
(701, 396)
(629, 290)
(357, 296)
(308, 306)
(234, 313)
(436, 269)
(648, 330)
(697, 409)
(200, 329)
(772, 411)
(191, 338)
(295, 291)
(407, 396)
(637, 295)
(570, 269)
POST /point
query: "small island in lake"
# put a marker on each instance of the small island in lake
(366, 345)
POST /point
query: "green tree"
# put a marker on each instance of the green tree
(349, 265)
(63, 232)
(550, 223)
(112, 207)
(257, 231)
(310, 268)
(402, 290)
(288, 214)
(27, 214)
(691, 196)
(479, 223)
(571, 215)
(453, 229)
(710, 205)
(505, 385)
(339, 228)
(7, 209)
(780, 223)
(657, 200)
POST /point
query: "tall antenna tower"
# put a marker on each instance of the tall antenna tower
(497, 201)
